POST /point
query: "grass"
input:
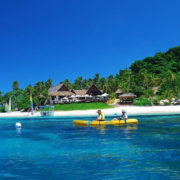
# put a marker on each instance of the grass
(81, 106)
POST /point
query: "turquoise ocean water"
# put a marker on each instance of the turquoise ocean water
(56, 149)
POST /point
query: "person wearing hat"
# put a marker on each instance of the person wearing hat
(101, 116)
(124, 116)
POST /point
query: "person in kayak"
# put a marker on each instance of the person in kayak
(124, 116)
(101, 116)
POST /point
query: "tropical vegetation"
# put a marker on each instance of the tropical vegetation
(151, 79)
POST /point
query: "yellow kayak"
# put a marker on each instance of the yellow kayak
(112, 122)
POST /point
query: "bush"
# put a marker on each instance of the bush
(155, 102)
(2, 109)
(112, 96)
(142, 102)
(178, 96)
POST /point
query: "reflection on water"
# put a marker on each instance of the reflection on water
(18, 131)
(103, 128)
(124, 128)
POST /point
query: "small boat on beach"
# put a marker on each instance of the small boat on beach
(46, 111)
(114, 122)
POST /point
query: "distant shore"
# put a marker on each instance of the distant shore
(131, 110)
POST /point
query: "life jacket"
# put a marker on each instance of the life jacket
(102, 116)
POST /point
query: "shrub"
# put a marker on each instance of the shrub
(2, 109)
(142, 102)
(155, 102)
(178, 96)
(113, 96)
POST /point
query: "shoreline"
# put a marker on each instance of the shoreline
(131, 110)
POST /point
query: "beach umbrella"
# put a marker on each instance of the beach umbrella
(105, 95)
(87, 95)
(99, 95)
(65, 98)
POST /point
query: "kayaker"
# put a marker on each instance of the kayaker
(101, 116)
(124, 116)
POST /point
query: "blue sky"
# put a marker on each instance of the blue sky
(59, 39)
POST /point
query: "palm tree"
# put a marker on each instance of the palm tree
(78, 83)
(15, 85)
(85, 84)
(39, 87)
(48, 83)
(96, 79)
(125, 80)
(67, 83)
(102, 84)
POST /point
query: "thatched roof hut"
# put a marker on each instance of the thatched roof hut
(58, 88)
(118, 93)
(127, 98)
(94, 91)
(62, 93)
(61, 90)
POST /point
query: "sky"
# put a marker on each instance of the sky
(60, 39)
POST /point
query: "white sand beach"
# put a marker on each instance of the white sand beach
(131, 110)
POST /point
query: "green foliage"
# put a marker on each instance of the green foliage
(142, 102)
(78, 83)
(161, 71)
(96, 79)
(2, 109)
(17, 99)
(20, 99)
(15, 85)
(1, 98)
(112, 95)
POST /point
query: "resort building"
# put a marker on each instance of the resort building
(58, 93)
(62, 94)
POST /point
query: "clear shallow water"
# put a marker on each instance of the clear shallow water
(56, 149)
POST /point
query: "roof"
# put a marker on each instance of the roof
(118, 91)
(58, 91)
(62, 93)
(127, 95)
(55, 88)
(81, 92)
(94, 88)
